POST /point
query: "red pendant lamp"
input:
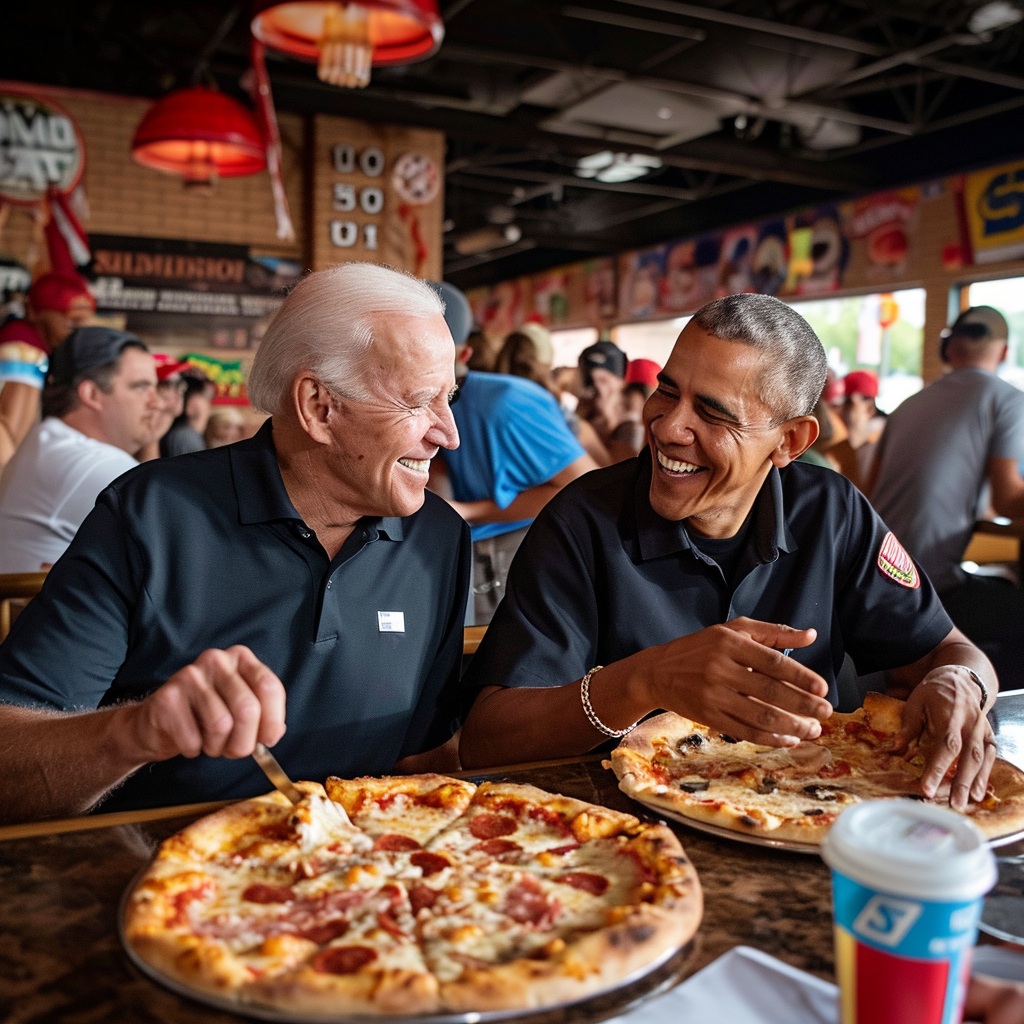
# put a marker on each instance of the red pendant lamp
(345, 39)
(200, 134)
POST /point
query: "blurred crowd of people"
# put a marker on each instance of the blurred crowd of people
(80, 404)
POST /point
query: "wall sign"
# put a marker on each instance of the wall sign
(220, 291)
(994, 204)
(376, 193)
(40, 146)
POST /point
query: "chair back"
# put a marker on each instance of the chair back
(16, 589)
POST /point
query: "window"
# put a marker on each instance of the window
(1008, 297)
(651, 340)
(880, 332)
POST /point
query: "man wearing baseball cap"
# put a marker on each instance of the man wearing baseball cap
(939, 449)
(864, 425)
(99, 403)
(56, 305)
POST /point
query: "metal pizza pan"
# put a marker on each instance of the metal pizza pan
(651, 980)
(791, 845)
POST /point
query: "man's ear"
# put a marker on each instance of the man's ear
(90, 395)
(463, 353)
(314, 407)
(798, 434)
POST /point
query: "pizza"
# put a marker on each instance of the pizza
(793, 793)
(412, 895)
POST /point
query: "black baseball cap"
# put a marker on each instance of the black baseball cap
(88, 348)
(982, 323)
(602, 355)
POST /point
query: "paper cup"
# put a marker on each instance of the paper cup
(907, 886)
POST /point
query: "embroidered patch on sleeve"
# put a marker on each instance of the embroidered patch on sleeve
(894, 562)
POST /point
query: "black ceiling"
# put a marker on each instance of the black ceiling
(751, 107)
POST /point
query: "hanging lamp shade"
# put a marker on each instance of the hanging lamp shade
(346, 39)
(200, 134)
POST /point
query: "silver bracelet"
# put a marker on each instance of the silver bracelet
(981, 685)
(592, 715)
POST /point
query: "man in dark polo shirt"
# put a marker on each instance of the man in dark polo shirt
(715, 577)
(301, 579)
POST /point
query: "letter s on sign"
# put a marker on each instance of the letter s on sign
(1001, 205)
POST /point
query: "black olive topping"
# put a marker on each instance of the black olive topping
(694, 787)
(767, 785)
(727, 739)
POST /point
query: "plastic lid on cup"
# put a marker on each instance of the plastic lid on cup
(911, 849)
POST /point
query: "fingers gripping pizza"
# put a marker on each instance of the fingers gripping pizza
(412, 895)
(793, 793)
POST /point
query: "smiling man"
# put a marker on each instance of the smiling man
(301, 580)
(682, 580)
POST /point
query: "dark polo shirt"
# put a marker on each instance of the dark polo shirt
(207, 550)
(601, 576)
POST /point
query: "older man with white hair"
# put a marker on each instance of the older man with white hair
(299, 579)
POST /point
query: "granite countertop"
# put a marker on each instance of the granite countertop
(61, 961)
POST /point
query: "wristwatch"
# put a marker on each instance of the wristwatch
(981, 685)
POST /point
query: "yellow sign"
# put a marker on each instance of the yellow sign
(994, 202)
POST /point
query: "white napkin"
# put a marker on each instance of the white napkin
(744, 986)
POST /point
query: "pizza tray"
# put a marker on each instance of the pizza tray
(791, 845)
(652, 980)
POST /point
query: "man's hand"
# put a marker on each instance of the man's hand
(220, 705)
(735, 678)
(943, 712)
(994, 1002)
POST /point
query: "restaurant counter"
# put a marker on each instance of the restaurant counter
(61, 883)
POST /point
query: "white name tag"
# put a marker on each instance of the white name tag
(391, 622)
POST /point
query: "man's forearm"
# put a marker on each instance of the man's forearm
(516, 724)
(956, 649)
(54, 764)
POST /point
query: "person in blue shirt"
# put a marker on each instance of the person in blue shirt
(516, 453)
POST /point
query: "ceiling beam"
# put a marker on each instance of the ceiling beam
(638, 188)
(746, 104)
(663, 28)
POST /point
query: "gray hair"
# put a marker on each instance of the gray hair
(324, 327)
(795, 365)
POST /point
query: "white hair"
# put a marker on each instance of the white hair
(324, 327)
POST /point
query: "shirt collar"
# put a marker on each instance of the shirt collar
(262, 496)
(658, 537)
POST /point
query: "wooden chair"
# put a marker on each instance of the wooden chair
(471, 637)
(16, 588)
(997, 542)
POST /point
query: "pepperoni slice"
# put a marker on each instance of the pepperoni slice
(385, 918)
(421, 896)
(561, 851)
(392, 842)
(496, 847)
(527, 904)
(490, 826)
(321, 934)
(596, 885)
(429, 863)
(259, 893)
(343, 959)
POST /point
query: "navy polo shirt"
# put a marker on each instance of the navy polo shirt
(601, 576)
(207, 550)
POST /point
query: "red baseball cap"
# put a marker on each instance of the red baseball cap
(643, 371)
(167, 366)
(861, 382)
(57, 292)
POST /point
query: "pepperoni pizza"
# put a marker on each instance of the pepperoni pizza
(412, 895)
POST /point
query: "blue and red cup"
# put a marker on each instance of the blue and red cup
(908, 881)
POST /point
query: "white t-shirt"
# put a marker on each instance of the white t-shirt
(48, 488)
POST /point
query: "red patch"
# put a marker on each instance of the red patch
(896, 564)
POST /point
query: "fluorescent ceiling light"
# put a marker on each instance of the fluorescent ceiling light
(616, 167)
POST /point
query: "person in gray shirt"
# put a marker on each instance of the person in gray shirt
(939, 449)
